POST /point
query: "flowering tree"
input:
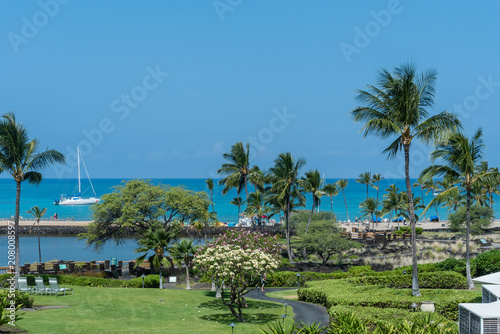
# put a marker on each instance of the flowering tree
(237, 258)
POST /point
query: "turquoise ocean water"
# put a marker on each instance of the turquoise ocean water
(69, 248)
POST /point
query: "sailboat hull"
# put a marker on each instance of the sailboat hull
(78, 201)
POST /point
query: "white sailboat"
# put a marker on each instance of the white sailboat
(79, 200)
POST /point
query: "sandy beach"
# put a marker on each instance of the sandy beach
(4, 222)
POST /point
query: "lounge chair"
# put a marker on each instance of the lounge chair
(40, 287)
(22, 283)
(55, 287)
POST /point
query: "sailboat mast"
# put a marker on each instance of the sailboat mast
(79, 184)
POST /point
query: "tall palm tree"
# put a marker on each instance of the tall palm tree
(376, 178)
(369, 207)
(210, 185)
(20, 158)
(491, 182)
(397, 108)
(38, 214)
(366, 179)
(461, 157)
(237, 168)
(184, 251)
(284, 180)
(157, 240)
(311, 183)
(342, 184)
(331, 190)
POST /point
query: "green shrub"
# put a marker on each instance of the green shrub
(21, 298)
(487, 262)
(426, 280)
(407, 229)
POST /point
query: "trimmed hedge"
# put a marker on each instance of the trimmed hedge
(426, 280)
(342, 292)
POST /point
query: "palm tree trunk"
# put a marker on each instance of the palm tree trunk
(188, 286)
(16, 229)
(414, 286)
(422, 194)
(287, 228)
(470, 284)
(367, 190)
(212, 200)
(331, 204)
(345, 202)
(39, 249)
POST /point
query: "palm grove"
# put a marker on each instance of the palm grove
(396, 109)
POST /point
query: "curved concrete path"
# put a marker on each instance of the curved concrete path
(306, 312)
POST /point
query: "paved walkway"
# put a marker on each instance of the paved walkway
(306, 312)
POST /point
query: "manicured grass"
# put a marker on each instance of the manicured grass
(286, 294)
(119, 310)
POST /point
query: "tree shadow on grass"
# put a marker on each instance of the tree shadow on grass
(254, 318)
(217, 304)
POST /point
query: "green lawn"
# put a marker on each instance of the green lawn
(129, 310)
(285, 294)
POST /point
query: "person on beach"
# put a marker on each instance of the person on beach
(263, 281)
(55, 216)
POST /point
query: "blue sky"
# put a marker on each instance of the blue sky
(161, 89)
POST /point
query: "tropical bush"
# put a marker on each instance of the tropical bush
(488, 262)
(426, 280)
(21, 298)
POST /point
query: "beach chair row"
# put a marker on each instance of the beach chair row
(40, 288)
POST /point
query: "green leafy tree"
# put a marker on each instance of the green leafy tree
(257, 178)
(480, 218)
(461, 157)
(256, 206)
(38, 214)
(138, 205)
(331, 190)
(398, 108)
(157, 240)
(237, 168)
(324, 239)
(20, 157)
(366, 179)
(284, 180)
(184, 250)
(342, 184)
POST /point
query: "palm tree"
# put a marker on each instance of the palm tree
(365, 178)
(238, 201)
(157, 240)
(431, 187)
(38, 214)
(369, 207)
(257, 178)
(184, 251)
(491, 182)
(398, 108)
(236, 169)
(419, 184)
(311, 183)
(256, 207)
(376, 178)
(284, 180)
(342, 184)
(210, 185)
(20, 158)
(331, 190)
(461, 157)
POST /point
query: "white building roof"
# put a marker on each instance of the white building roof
(487, 310)
(490, 279)
(494, 289)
